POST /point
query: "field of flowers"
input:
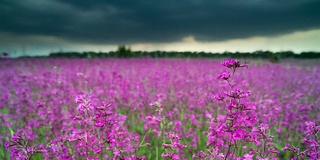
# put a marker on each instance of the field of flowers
(154, 109)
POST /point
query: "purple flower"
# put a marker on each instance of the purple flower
(263, 127)
(231, 63)
(219, 97)
(224, 75)
(248, 157)
(311, 128)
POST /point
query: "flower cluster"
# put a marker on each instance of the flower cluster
(237, 126)
(53, 109)
(19, 147)
(260, 136)
(233, 64)
(175, 146)
(101, 127)
(311, 142)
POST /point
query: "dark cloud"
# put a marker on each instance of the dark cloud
(128, 21)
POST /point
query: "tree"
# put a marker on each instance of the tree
(123, 52)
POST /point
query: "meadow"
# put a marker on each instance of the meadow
(159, 109)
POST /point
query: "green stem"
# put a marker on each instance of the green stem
(144, 137)
(157, 158)
(227, 152)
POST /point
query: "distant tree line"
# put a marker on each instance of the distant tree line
(125, 52)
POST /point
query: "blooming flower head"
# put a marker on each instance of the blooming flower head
(233, 64)
(219, 97)
(312, 128)
(248, 157)
(263, 127)
(224, 75)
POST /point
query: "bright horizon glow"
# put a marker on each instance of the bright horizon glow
(297, 42)
(43, 45)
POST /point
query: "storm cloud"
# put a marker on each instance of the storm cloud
(148, 21)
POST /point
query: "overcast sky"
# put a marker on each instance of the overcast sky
(38, 27)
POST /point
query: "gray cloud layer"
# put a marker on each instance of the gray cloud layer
(137, 21)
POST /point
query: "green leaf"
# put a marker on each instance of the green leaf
(11, 131)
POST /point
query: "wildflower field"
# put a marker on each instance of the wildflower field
(134, 109)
